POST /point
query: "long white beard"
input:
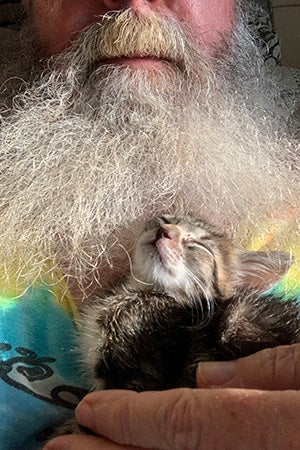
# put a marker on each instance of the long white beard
(90, 154)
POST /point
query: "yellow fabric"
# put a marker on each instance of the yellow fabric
(278, 233)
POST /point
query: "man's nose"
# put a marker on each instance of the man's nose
(135, 5)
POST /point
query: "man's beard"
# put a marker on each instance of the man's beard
(91, 151)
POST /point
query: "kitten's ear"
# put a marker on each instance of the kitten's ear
(262, 270)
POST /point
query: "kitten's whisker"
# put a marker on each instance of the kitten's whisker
(197, 282)
(131, 267)
(209, 302)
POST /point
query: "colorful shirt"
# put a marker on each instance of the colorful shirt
(39, 375)
(279, 232)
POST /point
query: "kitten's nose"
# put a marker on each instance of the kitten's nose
(168, 231)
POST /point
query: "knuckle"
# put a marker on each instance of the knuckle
(285, 363)
(183, 428)
(126, 418)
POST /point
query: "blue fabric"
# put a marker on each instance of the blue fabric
(39, 374)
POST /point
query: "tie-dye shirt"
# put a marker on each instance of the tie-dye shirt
(39, 376)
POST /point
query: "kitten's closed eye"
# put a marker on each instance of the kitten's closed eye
(192, 243)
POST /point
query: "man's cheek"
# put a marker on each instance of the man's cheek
(58, 22)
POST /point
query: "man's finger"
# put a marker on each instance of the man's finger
(186, 419)
(272, 369)
(83, 442)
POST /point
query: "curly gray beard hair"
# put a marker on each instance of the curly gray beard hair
(91, 151)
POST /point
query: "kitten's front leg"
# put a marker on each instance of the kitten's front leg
(135, 340)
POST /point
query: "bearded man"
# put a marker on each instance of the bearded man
(129, 108)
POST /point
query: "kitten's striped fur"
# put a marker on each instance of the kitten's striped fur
(191, 296)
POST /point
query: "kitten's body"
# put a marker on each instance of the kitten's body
(191, 297)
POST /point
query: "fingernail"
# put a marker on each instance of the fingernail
(84, 414)
(215, 373)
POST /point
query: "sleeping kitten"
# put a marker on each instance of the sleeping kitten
(191, 296)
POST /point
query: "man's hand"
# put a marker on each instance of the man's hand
(195, 419)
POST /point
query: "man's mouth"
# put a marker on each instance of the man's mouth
(136, 60)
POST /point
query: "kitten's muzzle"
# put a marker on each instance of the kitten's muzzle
(168, 231)
(167, 242)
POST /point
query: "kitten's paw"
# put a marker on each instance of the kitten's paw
(70, 426)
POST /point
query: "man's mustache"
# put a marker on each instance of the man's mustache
(127, 35)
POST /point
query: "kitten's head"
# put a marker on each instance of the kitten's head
(188, 257)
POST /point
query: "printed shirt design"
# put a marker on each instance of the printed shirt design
(39, 375)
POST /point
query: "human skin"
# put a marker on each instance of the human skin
(202, 419)
(264, 412)
(59, 21)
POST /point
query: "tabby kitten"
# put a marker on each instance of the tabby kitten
(191, 296)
